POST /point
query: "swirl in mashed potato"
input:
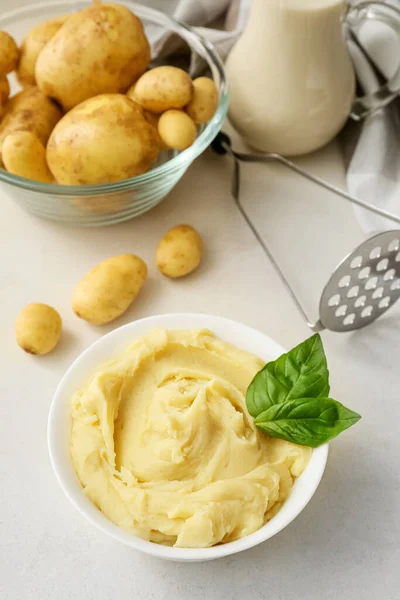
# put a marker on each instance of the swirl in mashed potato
(163, 444)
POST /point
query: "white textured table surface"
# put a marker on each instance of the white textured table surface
(346, 543)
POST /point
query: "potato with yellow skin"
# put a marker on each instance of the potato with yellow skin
(98, 50)
(31, 111)
(179, 252)
(204, 102)
(104, 139)
(176, 129)
(38, 328)
(23, 154)
(31, 47)
(4, 90)
(109, 289)
(9, 53)
(163, 88)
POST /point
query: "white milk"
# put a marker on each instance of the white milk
(291, 79)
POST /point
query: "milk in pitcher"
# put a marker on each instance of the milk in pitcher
(291, 79)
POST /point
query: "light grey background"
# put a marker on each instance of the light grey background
(345, 545)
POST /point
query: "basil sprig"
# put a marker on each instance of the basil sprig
(301, 373)
(289, 398)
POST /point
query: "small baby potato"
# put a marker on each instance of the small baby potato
(176, 129)
(179, 252)
(108, 290)
(4, 90)
(23, 154)
(9, 53)
(204, 102)
(38, 328)
(163, 88)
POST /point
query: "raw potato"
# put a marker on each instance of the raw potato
(98, 50)
(108, 290)
(176, 129)
(9, 53)
(23, 154)
(179, 252)
(29, 110)
(31, 47)
(38, 328)
(205, 100)
(163, 88)
(103, 139)
(4, 90)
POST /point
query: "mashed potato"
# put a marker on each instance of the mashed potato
(163, 445)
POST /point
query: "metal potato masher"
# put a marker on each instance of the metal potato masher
(364, 285)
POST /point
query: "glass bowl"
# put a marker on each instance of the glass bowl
(109, 203)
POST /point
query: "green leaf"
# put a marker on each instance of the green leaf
(301, 373)
(306, 421)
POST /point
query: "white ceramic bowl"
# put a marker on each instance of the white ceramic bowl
(110, 346)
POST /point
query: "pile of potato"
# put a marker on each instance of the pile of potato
(108, 290)
(91, 110)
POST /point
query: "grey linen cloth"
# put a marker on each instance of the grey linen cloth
(371, 149)
(220, 21)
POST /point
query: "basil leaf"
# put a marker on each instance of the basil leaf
(301, 373)
(306, 421)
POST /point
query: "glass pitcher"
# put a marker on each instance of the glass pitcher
(291, 78)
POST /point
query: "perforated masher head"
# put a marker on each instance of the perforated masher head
(364, 286)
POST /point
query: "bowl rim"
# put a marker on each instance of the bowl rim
(185, 157)
(72, 487)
